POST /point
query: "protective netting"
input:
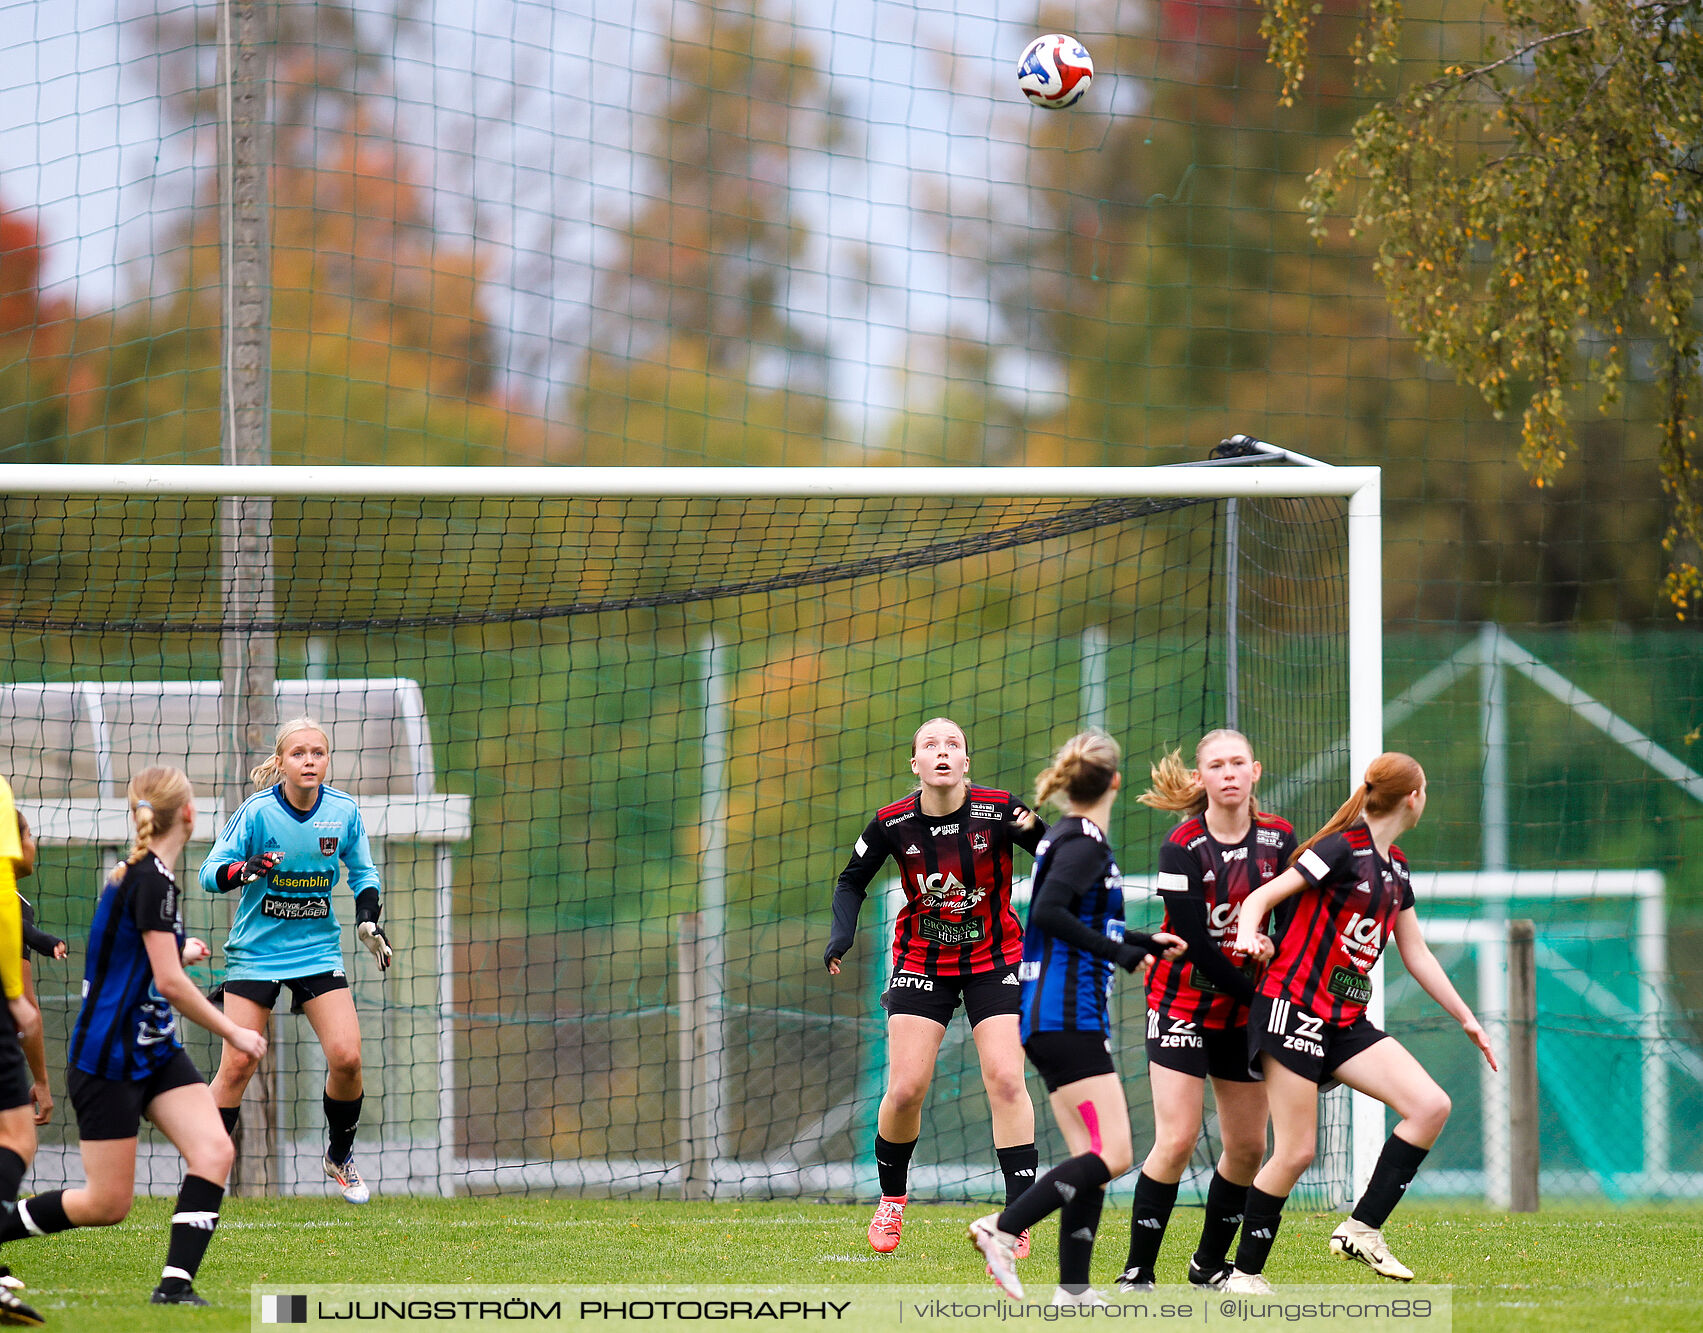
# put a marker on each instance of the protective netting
(613, 754)
(783, 232)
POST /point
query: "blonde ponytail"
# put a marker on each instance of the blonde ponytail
(157, 796)
(1082, 769)
(1175, 787)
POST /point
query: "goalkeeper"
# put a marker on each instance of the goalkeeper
(279, 852)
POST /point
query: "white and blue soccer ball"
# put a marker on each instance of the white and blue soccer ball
(1055, 71)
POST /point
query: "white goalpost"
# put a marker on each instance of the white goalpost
(706, 1035)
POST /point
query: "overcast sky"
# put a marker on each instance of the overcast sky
(540, 176)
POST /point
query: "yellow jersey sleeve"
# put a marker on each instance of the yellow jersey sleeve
(11, 915)
(10, 844)
(11, 933)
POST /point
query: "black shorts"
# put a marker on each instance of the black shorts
(985, 995)
(1063, 1058)
(1304, 1042)
(16, 1080)
(112, 1108)
(1189, 1048)
(302, 989)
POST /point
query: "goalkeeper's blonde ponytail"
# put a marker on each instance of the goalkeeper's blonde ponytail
(266, 773)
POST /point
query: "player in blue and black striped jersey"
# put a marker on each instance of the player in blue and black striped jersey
(280, 851)
(1075, 938)
(126, 1060)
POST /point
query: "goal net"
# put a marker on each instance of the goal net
(613, 740)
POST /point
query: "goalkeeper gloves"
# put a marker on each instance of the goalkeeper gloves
(238, 873)
(367, 929)
(370, 934)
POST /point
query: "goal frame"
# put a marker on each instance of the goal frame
(1281, 474)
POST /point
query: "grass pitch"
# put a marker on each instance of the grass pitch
(1566, 1268)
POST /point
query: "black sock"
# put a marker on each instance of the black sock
(1397, 1164)
(230, 1115)
(1260, 1220)
(1224, 1203)
(1154, 1200)
(341, 1117)
(1055, 1189)
(1019, 1165)
(40, 1215)
(893, 1165)
(12, 1168)
(192, 1223)
(1077, 1221)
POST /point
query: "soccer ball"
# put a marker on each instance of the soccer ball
(1055, 71)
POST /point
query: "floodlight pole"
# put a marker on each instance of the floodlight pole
(248, 660)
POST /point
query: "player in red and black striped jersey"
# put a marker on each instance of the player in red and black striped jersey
(956, 939)
(1308, 1024)
(1197, 1005)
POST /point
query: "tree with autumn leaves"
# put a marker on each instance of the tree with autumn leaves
(381, 350)
(1161, 257)
(36, 369)
(1535, 202)
(695, 355)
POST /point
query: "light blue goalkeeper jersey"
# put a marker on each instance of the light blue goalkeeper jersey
(284, 925)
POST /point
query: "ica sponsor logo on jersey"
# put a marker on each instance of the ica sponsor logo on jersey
(1221, 918)
(946, 893)
(1363, 931)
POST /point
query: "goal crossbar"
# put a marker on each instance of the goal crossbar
(1173, 482)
